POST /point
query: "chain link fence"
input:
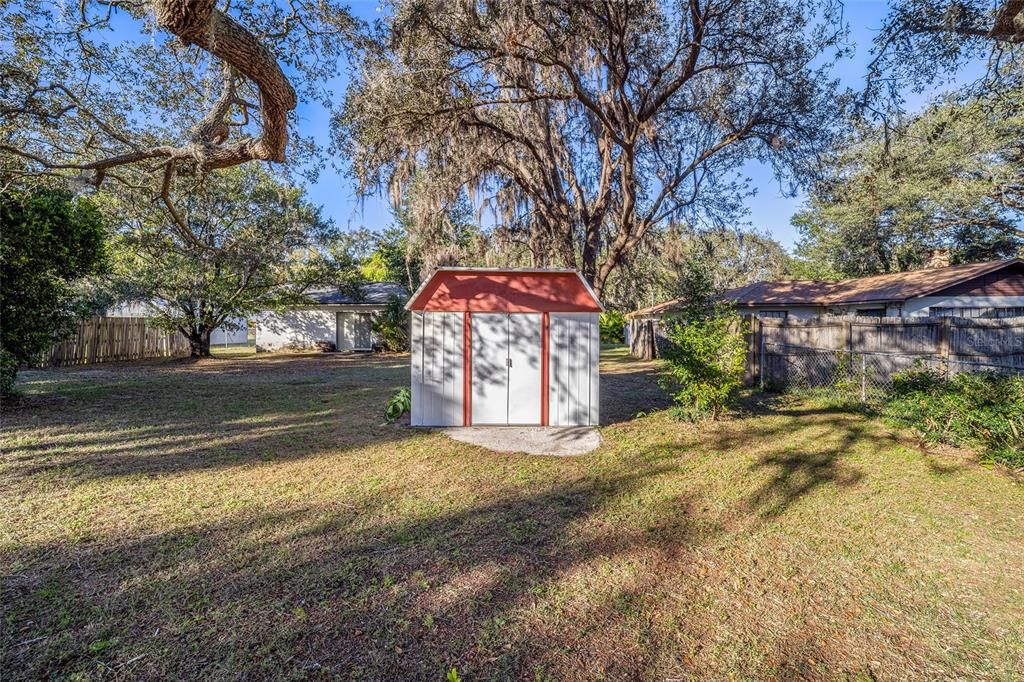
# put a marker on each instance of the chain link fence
(851, 375)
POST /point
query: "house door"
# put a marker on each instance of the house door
(506, 372)
(354, 331)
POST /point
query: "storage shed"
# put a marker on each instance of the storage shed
(503, 347)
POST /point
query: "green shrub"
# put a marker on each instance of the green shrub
(398, 404)
(613, 327)
(978, 410)
(705, 362)
(50, 241)
(8, 372)
(392, 325)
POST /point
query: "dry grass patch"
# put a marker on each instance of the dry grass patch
(252, 517)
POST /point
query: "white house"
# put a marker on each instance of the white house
(330, 316)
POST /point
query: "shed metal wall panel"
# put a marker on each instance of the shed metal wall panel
(489, 366)
(524, 375)
(574, 357)
(437, 369)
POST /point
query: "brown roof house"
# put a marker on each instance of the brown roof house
(980, 290)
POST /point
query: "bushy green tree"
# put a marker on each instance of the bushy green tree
(951, 178)
(658, 269)
(48, 241)
(705, 362)
(253, 243)
(706, 354)
(392, 325)
(391, 260)
(613, 324)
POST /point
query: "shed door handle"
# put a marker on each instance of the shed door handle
(510, 362)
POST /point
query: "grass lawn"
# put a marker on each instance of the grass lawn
(251, 517)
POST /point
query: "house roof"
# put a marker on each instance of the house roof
(781, 292)
(792, 292)
(374, 293)
(505, 290)
(899, 286)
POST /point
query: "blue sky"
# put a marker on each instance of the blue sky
(769, 209)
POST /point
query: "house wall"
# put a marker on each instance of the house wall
(302, 327)
(795, 311)
(889, 309)
(222, 336)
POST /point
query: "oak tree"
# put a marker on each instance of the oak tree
(142, 92)
(582, 126)
(258, 244)
(923, 43)
(950, 178)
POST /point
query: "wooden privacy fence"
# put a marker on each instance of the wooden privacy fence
(646, 338)
(107, 339)
(815, 351)
(861, 354)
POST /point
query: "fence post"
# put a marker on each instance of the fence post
(760, 354)
(944, 333)
(863, 378)
(753, 331)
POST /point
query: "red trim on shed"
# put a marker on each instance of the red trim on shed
(467, 370)
(505, 291)
(544, 343)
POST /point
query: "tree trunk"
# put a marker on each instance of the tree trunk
(199, 343)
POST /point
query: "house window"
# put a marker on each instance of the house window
(976, 312)
(777, 314)
(871, 312)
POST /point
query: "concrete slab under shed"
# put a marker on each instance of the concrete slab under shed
(559, 441)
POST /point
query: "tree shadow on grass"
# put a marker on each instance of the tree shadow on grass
(796, 474)
(799, 454)
(795, 471)
(339, 592)
(191, 418)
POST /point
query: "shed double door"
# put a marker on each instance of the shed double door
(506, 368)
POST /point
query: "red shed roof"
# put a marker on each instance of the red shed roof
(483, 290)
